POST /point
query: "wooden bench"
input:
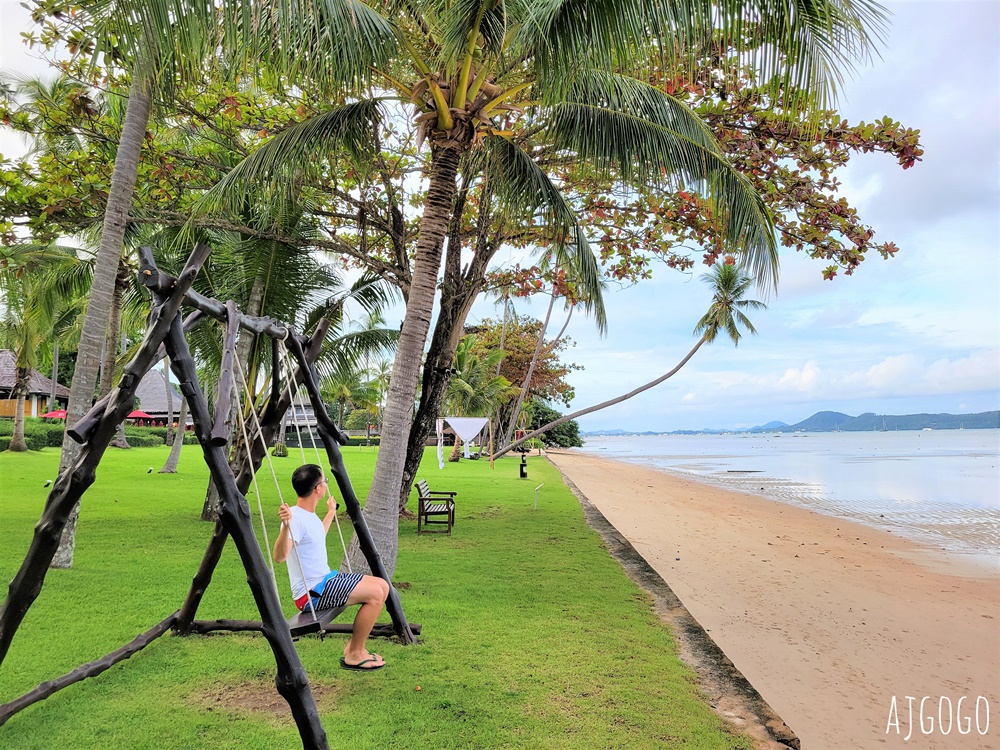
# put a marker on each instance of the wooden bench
(434, 507)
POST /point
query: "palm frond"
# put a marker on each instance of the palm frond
(802, 42)
(527, 192)
(279, 164)
(330, 43)
(461, 18)
(344, 352)
(632, 131)
(161, 40)
(374, 293)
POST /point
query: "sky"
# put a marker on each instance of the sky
(917, 333)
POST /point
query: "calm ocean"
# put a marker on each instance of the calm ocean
(940, 487)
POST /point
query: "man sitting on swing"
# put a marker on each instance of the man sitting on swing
(303, 536)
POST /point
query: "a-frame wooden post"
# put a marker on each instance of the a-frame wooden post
(102, 422)
(234, 513)
(270, 420)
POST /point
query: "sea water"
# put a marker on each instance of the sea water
(939, 487)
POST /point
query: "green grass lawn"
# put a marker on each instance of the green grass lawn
(533, 637)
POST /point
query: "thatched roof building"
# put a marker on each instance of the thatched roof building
(152, 396)
(39, 389)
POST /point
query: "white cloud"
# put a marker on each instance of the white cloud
(804, 379)
(891, 372)
(979, 371)
(892, 376)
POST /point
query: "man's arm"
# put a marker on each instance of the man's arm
(283, 544)
(331, 511)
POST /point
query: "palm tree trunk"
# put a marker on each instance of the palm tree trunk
(452, 312)
(171, 432)
(569, 317)
(55, 375)
(382, 507)
(95, 323)
(114, 349)
(602, 405)
(111, 342)
(170, 467)
(17, 442)
(503, 330)
(531, 371)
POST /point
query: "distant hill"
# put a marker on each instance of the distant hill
(827, 421)
(769, 426)
(833, 421)
(821, 421)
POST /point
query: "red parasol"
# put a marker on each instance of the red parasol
(139, 415)
(57, 414)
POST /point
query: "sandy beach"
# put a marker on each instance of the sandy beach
(829, 620)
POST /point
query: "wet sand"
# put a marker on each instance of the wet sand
(827, 619)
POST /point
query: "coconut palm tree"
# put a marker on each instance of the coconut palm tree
(482, 62)
(343, 387)
(39, 286)
(474, 390)
(156, 51)
(725, 315)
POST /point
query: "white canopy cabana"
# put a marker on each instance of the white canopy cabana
(467, 429)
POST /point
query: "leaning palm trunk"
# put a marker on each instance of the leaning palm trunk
(531, 371)
(170, 467)
(95, 323)
(17, 442)
(602, 405)
(382, 507)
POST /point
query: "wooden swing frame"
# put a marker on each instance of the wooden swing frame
(165, 337)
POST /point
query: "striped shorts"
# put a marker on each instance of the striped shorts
(335, 589)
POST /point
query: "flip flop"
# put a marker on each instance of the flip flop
(360, 666)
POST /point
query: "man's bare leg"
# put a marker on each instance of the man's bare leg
(371, 594)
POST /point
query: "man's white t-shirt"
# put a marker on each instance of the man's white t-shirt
(309, 536)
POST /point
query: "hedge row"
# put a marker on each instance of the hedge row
(34, 441)
(36, 433)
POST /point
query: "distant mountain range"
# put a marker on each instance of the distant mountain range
(834, 421)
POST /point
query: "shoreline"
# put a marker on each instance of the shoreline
(960, 558)
(827, 618)
(939, 491)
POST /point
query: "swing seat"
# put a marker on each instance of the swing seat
(304, 623)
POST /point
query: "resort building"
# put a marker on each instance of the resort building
(151, 395)
(43, 395)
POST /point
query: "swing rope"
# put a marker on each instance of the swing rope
(277, 486)
(286, 360)
(241, 419)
